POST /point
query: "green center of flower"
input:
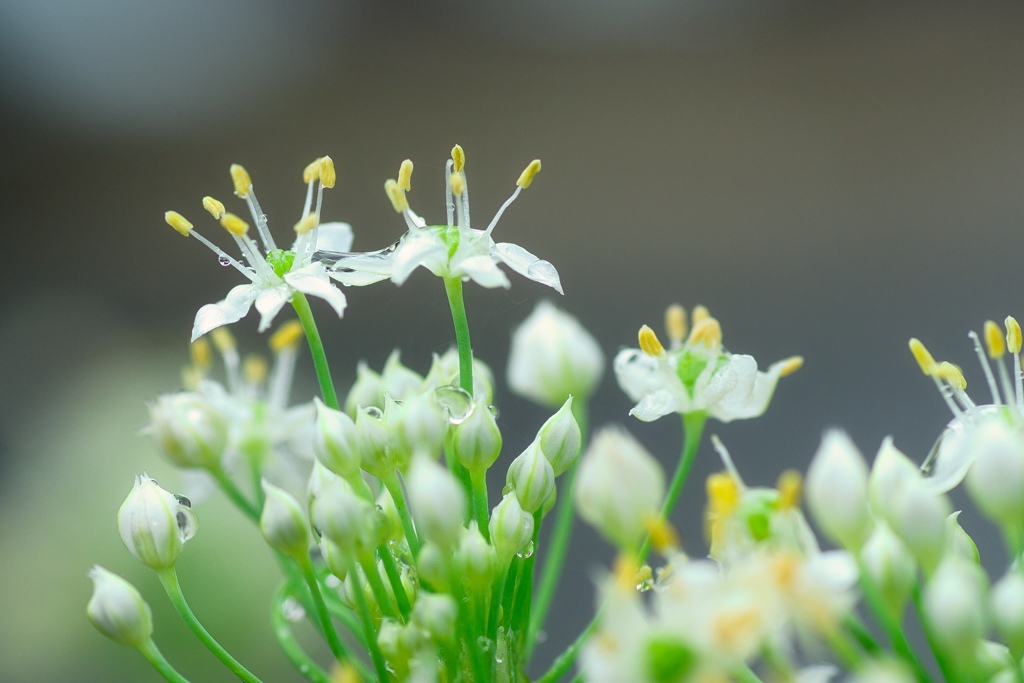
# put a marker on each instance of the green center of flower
(668, 659)
(691, 364)
(280, 260)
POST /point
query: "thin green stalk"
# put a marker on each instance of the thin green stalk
(481, 509)
(470, 624)
(862, 635)
(320, 608)
(565, 661)
(316, 348)
(394, 487)
(522, 602)
(745, 674)
(891, 626)
(169, 578)
(497, 591)
(369, 628)
(395, 579)
(150, 651)
(508, 594)
(380, 593)
(945, 666)
(302, 662)
(342, 613)
(453, 287)
(234, 494)
(845, 649)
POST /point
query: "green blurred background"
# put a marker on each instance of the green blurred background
(830, 178)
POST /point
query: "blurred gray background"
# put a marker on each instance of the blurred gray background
(830, 178)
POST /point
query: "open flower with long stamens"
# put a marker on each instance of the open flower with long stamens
(454, 250)
(273, 274)
(696, 373)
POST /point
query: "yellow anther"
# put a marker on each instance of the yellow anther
(328, 176)
(723, 494)
(458, 183)
(254, 369)
(789, 486)
(234, 224)
(223, 340)
(994, 339)
(624, 570)
(649, 342)
(662, 534)
(307, 223)
(178, 222)
(951, 374)
(240, 177)
(396, 195)
(700, 313)
(922, 356)
(707, 332)
(214, 207)
(286, 337)
(644, 576)
(784, 568)
(736, 625)
(201, 354)
(790, 365)
(405, 175)
(458, 158)
(675, 323)
(312, 171)
(1013, 339)
(190, 378)
(526, 177)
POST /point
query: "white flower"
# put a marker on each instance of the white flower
(454, 250)
(274, 274)
(837, 487)
(695, 374)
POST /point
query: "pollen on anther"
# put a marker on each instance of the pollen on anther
(649, 342)
(405, 175)
(397, 197)
(178, 222)
(458, 158)
(312, 171)
(458, 183)
(234, 224)
(254, 369)
(952, 374)
(526, 177)
(214, 207)
(789, 486)
(240, 177)
(223, 339)
(328, 176)
(662, 534)
(287, 336)
(707, 331)
(309, 222)
(922, 356)
(1013, 335)
(699, 313)
(723, 493)
(994, 340)
(201, 355)
(675, 323)
(790, 365)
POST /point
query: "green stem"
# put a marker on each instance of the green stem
(369, 628)
(889, 621)
(862, 635)
(523, 601)
(394, 487)
(745, 675)
(169, 578)
(320, 607)
(845, 649)
(292, 650)
(497, 591)
(568, 658)
(150, 651)
(453, 287)
(395, 579)
(234, 494)
(316, 348)
(949, 672)
(380, 593)
(478, 479)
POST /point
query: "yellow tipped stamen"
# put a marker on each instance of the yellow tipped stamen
(790, 365)
(951, 374)
(223, 340)
(312, 171)
(526, 177)
(240, 177)
(1013, 337)
(458, 158)
(735, 625)
(306, 224)
(649, 342)
(328, 176)
(214, 207)
(397, 197)
(675, 324)
(286, 337)
(458, 183)
(789, 486)
(235, 225)
(178, 222)
(707, 331)
(625, 569)
(784, 568)
(405, 175)
(202, 357)
(994, 340)
(662, 534)
(254, 369)
(723, 494)
(922, 356)
(700, 313)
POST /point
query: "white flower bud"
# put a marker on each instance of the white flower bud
(889, 474)
(420, 425)
(996, 479)
(474, 558)
(335, 441)
(154, 524)
(374, 443)
(335, 558)
(117, 609)
(619, 488)
(366, 391)
(959, 542)
(530, 475)
(386, 505)
(477, 440)
(438, 501)
(444, 371)
(990, 658)
(954, 603)
(399, 382)
(188, 430)
(919, 519)
(436, 614)
(282, 522)
(561, 439)
(553, 357)
(389, 639)
(890, 566)
(346, 518)
(1007, 609)
(511, 527)
(837, 491)
(434, 566)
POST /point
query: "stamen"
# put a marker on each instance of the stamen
(449, 203)
(922, 356)
(309, 197)
(723, 453)
(985, 367)
(405, 175)
(222, 255)
(789, 486)
(790, 365)
(260, 219)
(201, 355)
(225, 343)
(238, 229)
(501, 210)
(699, 313)
(723, 494)
(240, 177)
(328, 176)
(458, 184)
(395, 194)
(235, 225)
(307, 224)
(649, 342)
(675, 324)
(625, 569)
(286, 336)
(312, 171)
(662, 534)
(178, 222)
(526, 177)
(254, 370)
(214, 207)
(458, 158)
(1013, 342)
(954, 378)
(707, 331)
(305, 244)
(994, 340)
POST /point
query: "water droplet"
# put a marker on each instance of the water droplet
(456, 403)
(644, 586)
(183, 500)
(483, 643)
(188, 523)
(542, 636)
(493, 410)
(374, 412)
(304, 668)
(224, 260)
(527, 551)
(498, 657)
(292, 610)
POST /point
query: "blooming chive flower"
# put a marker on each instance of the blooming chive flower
(455, 250)
(696, 373)
(274, 274)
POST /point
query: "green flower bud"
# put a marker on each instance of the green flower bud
(477, 440)
(420, 425)
(335, 558)
(996, 479)
(561, 439)
(188, 429)
(445, 371)
(375, 443)
(345, 517)
(434, 567)
(837, 491)
(954, 603)
(475, 559)
(399, 382)
(367, 391)
(117, 610)
(511, 528)
(336, 441)
(890, 566)
(959, 542)
(436, 614)
(438, 501)
(386, 506)
(154, 524)
(919, 519)
(283, 523)
(532, 478)
(1007, 609)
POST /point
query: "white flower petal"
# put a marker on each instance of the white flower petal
(269, 302)
(334, 236)
(656, 404)
(313, 280)
(753, 391)
(232, 309)
(418, 249)
(528, 265)
(482, 270)
(638, 373)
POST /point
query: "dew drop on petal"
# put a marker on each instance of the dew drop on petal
(483, 643)
(493, 410)
(374, 412)
(188, 523)
(527, 551)
(456, 403)
(224, 260)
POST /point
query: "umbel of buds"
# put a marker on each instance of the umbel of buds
(154, 524)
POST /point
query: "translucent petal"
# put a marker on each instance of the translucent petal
(638, 373)
(232, 309)
(656, 404)
(482, 270)
(313, 280)
(528, 265)
(269, 302)
(420, 249)
(335, 236)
